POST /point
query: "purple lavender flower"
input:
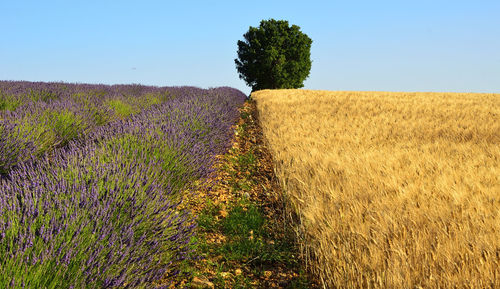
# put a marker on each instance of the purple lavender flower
(102, 209)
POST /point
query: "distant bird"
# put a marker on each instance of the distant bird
(133, 68)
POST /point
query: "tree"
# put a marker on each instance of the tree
(274, 55)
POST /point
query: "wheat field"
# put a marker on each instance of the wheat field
(393, 190)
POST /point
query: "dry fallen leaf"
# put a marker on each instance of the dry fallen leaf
(223, 213)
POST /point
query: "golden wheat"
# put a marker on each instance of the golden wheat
(393, 190)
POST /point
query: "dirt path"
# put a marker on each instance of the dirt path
(244, 234)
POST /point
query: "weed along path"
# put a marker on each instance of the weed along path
(244, 239)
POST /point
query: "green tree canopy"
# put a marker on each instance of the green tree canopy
(274, 55)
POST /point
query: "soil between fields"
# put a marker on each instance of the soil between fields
(245, 236)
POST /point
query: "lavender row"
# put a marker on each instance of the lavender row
(103, 211)
(36, 117)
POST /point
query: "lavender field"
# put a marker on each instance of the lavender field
(91, 179)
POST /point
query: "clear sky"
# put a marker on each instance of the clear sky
(416, 45)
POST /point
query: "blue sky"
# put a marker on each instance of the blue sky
(357, 45)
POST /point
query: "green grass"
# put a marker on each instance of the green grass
(207, 219)
(250, 242)
(247, 162)
(244, 228)
(242, 163)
